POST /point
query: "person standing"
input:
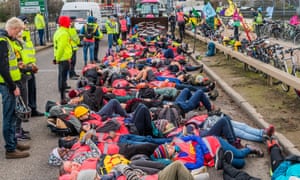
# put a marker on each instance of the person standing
(29, 59)
(62, 54)
(181, 24)
(172, 21)
(110, 26)
(117, 30)
(39, 23)
(258, 21)
(128, 21)
(75, 41)
(97, 41)
(9, 75)
(89, 31)
(123, 24)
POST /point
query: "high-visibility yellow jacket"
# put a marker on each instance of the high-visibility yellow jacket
(28, 51)
(62, 44)
(39, 21)
(110, 27)
(14, 70)
(75, 40)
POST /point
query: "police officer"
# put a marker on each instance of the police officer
(9, 76)
(62, 54)
(29, 60)
(75, 41)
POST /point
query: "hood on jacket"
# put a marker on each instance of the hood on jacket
(91, 19)
(3, 32)
(64, 21)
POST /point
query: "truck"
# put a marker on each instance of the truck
(151, 12)
(81, 10)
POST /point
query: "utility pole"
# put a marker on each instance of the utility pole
(46, 19)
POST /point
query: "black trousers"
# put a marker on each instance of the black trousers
(231, 173)
(72, 64)
(32, 93)
(96, 50)
(276, 157)
(63, 69)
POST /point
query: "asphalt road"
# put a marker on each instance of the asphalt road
(43, 141)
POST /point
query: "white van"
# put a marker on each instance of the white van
(81, 10)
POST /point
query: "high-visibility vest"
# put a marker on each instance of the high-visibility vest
(28, 51)
(74, 38)
(39, 21)
(110, 27)
(14, 70)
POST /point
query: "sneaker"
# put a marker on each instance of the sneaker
(271, 142)
(255, 150)
(16, 154)
(73, 78)
(269, 131)
(228, 157)
(22, 147)
(22, 137)
(213, 94)
(219, 158)
(36, 114)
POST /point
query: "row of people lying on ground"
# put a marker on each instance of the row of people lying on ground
(147, 130)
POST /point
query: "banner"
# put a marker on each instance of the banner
(209, 11)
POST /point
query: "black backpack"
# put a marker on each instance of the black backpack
(90, 30)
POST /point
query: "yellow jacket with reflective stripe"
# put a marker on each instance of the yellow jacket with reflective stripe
(110, 27)
(62, 44)
(39, 21)
(15, 73)
(75, 40)
(28, 51)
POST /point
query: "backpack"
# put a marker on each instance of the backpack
(107, 162)
(171, 114)
(147, 93)
(61, 127)
(89, 31)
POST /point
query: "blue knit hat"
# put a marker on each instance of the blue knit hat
(90, 19)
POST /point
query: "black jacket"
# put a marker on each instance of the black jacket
(4, 66)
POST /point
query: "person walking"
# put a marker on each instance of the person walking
(10, 75)
(40, 25)
(75, 41)
(89, 31)
(181, 24)
(62, 54)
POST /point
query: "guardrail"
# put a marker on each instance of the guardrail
(266, 68)
(48, 36)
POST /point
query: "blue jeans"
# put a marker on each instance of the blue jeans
(9, 118)
(91, 47)
(188, 101)
(191, 87)
(246, 132)
(136, 139)
(222, 128)
(41, 36)
(110, 39)
(238, 154)
(112, 108)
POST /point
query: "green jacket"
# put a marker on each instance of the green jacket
(62, 45)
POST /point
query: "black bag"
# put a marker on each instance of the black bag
(67, 142)
(147, 93)
(89, 31)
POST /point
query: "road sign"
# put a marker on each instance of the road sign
(32, 6)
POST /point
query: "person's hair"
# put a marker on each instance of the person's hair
(14, 23)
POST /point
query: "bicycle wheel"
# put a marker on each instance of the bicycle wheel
(297, 39)
(274, 63)
(285, 87)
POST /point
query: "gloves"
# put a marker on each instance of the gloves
(54, 61)
(34, 68)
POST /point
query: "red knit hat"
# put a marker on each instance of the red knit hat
(64, 21)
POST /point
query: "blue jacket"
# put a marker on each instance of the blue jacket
(285, 170)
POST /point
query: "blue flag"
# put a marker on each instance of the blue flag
(209, 11)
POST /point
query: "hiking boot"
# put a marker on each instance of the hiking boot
(22, 147)
(255, 150)
(219, 158)
(213, 94)
(228, 157)
(16, 154)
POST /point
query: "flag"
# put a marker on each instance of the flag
(196, 14)
(230, 10)
(209, 11)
